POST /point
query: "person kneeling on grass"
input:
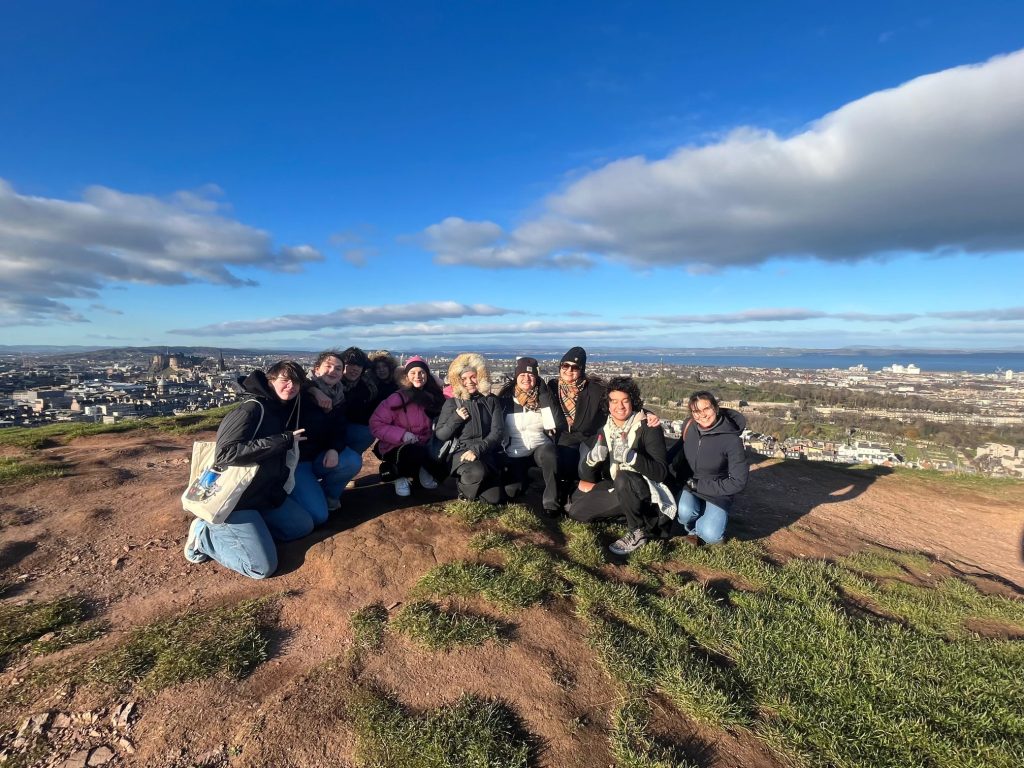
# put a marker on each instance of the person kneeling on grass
(711, 466)
(402, 425)
(630, 457)
(260, 431)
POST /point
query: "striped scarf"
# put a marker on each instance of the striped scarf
(527, 398)
(568, 394)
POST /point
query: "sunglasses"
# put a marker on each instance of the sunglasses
(570, 367)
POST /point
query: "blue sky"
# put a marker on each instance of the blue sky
(416, 175)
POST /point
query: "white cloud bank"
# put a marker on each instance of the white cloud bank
(351, 317)
(935, 165)
(54, 249)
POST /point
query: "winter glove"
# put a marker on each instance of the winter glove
(599, 452)
(409, 437)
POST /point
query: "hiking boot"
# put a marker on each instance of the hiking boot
(427, 480)
(333, 505)
(402, 487)
(630, 542)
(192, 541)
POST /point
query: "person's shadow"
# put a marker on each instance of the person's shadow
(779, 493)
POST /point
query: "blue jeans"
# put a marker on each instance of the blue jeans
(245, 541)
(359, 438)
(702, 517)
(334, 480)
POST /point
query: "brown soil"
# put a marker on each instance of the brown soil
(111, 530)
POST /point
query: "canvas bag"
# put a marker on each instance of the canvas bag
(212, 494)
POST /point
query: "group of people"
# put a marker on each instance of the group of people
(600, 454)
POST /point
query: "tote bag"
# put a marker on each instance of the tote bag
(213, 493)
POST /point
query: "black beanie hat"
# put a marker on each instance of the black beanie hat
(577, 355)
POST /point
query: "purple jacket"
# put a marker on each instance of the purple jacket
(394, 417)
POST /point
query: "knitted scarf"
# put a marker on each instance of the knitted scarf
(568, 394)
(527, 398)
(336, 393)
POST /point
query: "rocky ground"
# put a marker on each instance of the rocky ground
(111, 531)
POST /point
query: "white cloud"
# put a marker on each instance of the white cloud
(933, 166)
(52, 249)
(774, 315)
(350, 317)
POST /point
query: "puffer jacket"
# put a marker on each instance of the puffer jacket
(484, 431)
(551, 413)
(714, 458)
(239, 442)
(396, 416)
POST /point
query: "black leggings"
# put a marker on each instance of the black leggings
(544, 456)
(627, 495)
(477, 480)
(409, 457)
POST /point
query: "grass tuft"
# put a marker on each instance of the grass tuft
(13, 470)
(584, 546)
(632, 744)
(471, 733)
(21, 626)
(368, 627)
(471, 512)
(519, 517)
(228, 641)
(441, 630)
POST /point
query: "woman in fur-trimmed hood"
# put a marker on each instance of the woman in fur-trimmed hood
(468, 361)
(472, 420)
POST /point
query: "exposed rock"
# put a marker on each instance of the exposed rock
(100, 756)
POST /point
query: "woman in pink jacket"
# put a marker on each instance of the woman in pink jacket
(403, 424)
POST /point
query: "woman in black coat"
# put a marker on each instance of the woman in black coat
(472, 420)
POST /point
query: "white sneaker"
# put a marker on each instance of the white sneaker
(191, 554)
(402, 486)
(427, 480)
(630, 542)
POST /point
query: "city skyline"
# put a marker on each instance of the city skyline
(448, 175)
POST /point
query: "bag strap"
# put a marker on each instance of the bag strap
(260, 422)
(686, 428)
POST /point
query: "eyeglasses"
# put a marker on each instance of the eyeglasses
(702, 411)
(570, 367)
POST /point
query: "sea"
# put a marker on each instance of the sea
(966, 362)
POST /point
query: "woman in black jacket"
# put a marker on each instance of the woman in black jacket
(259, 431)
(711, 466)
(472, 420)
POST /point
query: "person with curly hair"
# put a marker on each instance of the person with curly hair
(628, 467)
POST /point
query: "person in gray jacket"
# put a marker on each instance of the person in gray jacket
(711, 466)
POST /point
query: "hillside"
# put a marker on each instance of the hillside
(576, 661)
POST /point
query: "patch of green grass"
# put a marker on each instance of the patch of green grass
(584, 546)
(229, 641)
(368, 627)
(471, 733)
(472, 512)
(632, 743)
(23, 625)
(999, 486)
(528, 576)
(438, 629)
(519, 517)
(884, 562)
(74, 634)
(14, 469)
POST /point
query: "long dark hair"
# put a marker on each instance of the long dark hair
(429, 397)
